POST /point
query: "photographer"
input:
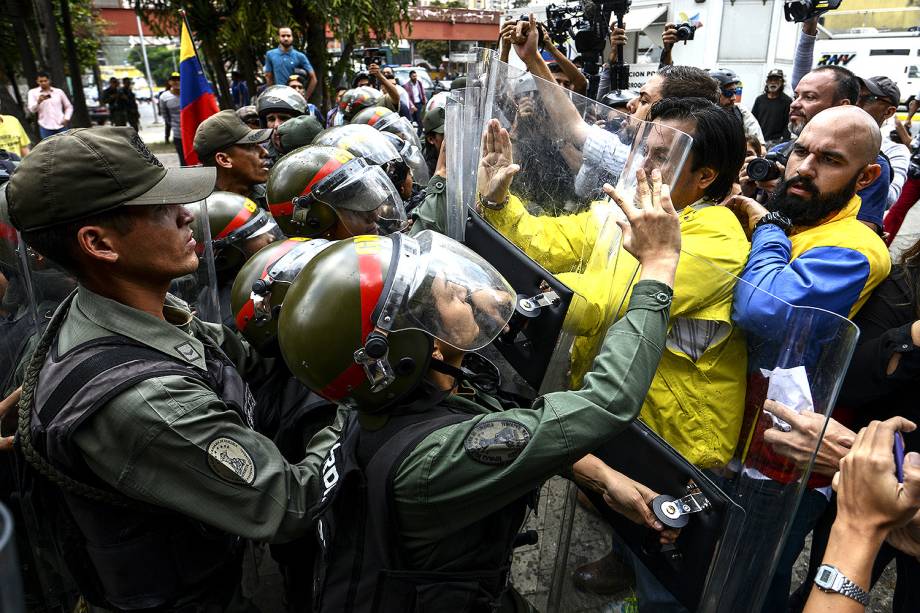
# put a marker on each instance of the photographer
(563, 66)
(618, 37)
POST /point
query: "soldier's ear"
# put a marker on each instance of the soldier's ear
(96, 242)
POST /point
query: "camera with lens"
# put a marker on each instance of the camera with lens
(686, 31)
(374, 56)
(766, 168)
(803, 10)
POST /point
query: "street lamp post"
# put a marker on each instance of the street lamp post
(140, 33)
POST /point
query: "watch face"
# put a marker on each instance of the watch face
(826, 575)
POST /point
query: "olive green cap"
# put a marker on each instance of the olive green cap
(88, 171)
(223, 129)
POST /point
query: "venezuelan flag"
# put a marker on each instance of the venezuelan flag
(196, 99)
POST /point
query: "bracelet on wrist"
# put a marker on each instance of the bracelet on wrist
(492, 204)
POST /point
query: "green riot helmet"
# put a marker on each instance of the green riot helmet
(361, 141)
(383, 119)
(435, 113)
(458, 83)
(261, 285)
(327, 192)
(372, 307)
(297, 132)
(355, 100)
(280, 99)
(239, 228)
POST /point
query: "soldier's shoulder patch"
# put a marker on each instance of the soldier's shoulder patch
(496, 441)
(230, 461)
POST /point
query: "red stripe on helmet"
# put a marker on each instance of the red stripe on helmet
(248, 310)
(286, 208)
(371, 283)
(237, 222)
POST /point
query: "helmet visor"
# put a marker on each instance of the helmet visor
(443, 288)
(364, 198)
(400, 126)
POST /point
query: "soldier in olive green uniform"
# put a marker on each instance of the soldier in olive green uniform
(428, 484)
(134, 424)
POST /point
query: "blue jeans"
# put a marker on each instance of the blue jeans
(45, 132)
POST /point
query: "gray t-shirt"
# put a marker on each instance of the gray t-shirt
(169, 109)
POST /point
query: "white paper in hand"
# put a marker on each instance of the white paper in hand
(788, 386)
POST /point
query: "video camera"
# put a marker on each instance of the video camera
(767, 167)
(803, 10)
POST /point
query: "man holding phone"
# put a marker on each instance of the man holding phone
(51, 105)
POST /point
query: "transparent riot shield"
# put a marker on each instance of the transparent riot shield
(561, 148)
(11, 598)
(734, 500)
(199, 289)
(35, 287)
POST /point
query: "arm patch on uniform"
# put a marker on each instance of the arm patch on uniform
(230, 461)
(496, 441)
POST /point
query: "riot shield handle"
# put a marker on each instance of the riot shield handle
(674, 512)
(525, 309)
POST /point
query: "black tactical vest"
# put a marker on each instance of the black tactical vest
(128, 556)
(361, 568)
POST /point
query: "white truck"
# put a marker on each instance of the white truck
(871, 53)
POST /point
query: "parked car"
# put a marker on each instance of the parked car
(98, 113)
(402, 77)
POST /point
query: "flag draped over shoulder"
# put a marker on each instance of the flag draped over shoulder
(196, 99)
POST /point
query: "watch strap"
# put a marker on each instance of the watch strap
(776, 219)
(842, 585)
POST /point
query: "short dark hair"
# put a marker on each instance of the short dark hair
(847, 83)
(42, 74)
(59, 243)
(755, 144)
(688, 82)
(412, 72)
(718, 138)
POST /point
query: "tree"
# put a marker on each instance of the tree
(454, 4)
(432, 50)
(161, 61)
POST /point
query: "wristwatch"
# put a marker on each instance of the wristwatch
(830, 579)
(777, 219)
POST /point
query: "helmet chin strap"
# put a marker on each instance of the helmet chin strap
(484, 381)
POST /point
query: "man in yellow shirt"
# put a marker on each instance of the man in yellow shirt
(13, 137)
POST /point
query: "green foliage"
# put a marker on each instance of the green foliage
(88, 29)
(161, 61)
(432, 50)
(451, 4)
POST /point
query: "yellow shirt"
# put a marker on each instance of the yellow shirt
(12, 137)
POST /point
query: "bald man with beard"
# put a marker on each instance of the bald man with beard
(808, 249)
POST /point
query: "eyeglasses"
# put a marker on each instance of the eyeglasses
(870, 98)
(389, 76)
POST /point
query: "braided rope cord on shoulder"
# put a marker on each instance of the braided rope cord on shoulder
(24, 431)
